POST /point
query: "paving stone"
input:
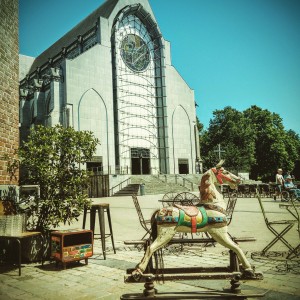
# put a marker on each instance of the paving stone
(104, 279)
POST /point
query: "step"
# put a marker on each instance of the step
(128, 190)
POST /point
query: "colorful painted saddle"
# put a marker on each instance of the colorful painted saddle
(194, 217)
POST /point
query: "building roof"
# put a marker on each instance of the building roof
(104, 11)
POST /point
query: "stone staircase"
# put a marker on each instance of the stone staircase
(154, 184)
(130, 189)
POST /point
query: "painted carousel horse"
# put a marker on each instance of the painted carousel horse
(209, 215)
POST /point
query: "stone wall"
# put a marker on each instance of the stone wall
(9, 91)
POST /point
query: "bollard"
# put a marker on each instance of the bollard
(142, 189)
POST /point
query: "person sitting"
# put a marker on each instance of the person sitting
(290, 186)
(288, 173)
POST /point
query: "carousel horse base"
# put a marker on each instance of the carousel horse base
(192, 295)
(233, 273)
(228, 293)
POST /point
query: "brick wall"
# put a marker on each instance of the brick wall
(9, 91)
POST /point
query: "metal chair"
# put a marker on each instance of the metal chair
(264, 189)
(252, 189)
(230, 206)
(186, 198)
(295, 252)
(168, 198)
(242, 190)
(225, 190)
(279, 236)
(146, 224)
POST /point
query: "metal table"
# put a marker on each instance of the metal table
(293, 208)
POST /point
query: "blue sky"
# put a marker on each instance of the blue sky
(234, 53)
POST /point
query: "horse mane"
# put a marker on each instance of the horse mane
(207, 193)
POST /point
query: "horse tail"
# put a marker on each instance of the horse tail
(158, 257)
(153, 221)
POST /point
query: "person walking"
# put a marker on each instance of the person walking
(279, 183)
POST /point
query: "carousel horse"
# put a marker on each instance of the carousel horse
(209, 215)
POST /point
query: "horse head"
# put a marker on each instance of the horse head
(223, 176)
(216, 176)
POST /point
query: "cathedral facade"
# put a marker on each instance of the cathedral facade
(112, 74)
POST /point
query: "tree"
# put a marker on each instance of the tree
(273, 145)
(52, 158)
(199, 125)
(231, 130)
(253, 140)
(292, 142)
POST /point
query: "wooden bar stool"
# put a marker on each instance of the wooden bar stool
(101, 208)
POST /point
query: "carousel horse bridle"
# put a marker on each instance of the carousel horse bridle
(219, 173)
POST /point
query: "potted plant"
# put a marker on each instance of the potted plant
(52, 158)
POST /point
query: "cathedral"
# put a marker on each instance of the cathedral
(112, 74)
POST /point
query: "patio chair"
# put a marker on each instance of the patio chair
(186, 198)
(146, 224)
(252, 188)
(264, 190)
(241, 190)
(168, 198)
(279, 235)
(295, 252)
(225, 190)
(230, 206)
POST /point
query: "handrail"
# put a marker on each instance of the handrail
(184, 180)
(120, 185)
(176, 182)
(157, 176)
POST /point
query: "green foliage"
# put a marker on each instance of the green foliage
(230, 129)
(12, 165)
(52, 158)
(200, 126)
(253, 140)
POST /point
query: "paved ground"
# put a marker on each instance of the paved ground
(104, 279)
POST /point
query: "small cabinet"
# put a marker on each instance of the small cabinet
(71, 245)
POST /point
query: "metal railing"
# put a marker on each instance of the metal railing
(177, 178)
(185, 181)
(119, 186)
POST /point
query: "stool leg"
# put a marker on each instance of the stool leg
(84, 218)
(110, 229)
(102, 229)
(92, 220)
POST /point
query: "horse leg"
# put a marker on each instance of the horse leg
(222, 237)
(164, 235)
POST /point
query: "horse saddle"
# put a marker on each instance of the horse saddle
(191, 211)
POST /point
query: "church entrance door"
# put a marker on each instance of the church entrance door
(183, 166)
(140, 161)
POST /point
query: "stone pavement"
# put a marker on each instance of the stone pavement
(104, 279)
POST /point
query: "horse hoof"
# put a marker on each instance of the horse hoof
(248, 274)
(259, 275)
(137, 274)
